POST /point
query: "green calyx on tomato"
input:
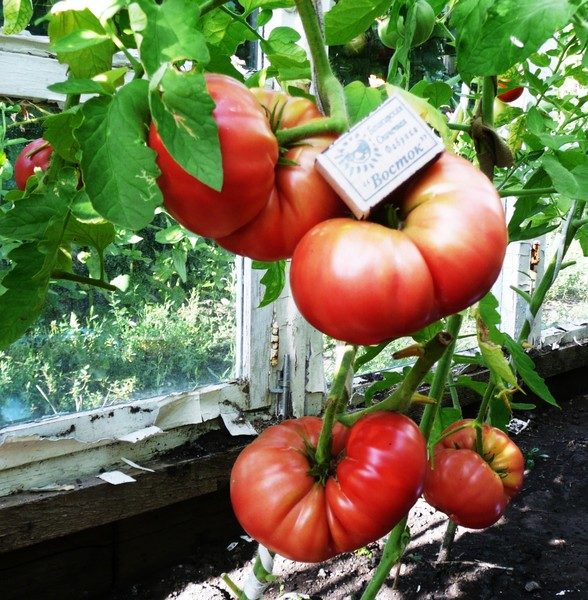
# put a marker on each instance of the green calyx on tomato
(390, 31)
(36, 154)
(474, 489)
(376, 476)
(365, 283)
(266, 204)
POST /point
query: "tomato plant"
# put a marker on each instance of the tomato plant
(376, 475)
(364, 282)
(300, 198)
(474, 489)
(36, 154)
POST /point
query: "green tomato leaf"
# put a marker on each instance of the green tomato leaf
(179, 258)
(119, 169)
(273, 280)
(224, 33)
(59, 132)
(370, 352)
(493, 35)
(170, 235)
(361, 100)
(288, 60)
(24, 296)
(80, 39)
(97, 235)
(182, 111)
(526, 369)
(250, 5)
(349, 18)
(445, 417)
(78, 86)
(84, 61)
(563, 181)
(167, 32)
(17, 14)
(388, 380)
(582, 237)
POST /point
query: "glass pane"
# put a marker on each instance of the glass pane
(172, 328)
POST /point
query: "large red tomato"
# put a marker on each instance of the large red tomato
(249, 153)
(365, 283)
(35, 154)
(474, 490)
(376, 476)
(301, 197)
(265, 205)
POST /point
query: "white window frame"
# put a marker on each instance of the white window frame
(279, 367)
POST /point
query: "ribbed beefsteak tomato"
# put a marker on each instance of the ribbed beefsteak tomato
(473, 489)
(376, 475)
(366, 283)
(301, 197)
(266, 204)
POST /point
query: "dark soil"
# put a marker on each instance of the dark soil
(538, 549)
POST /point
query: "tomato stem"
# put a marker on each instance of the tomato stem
(440, 377)
(67, 276)
(329, 89)
(314, 128)
(447, 543)
(401, 398)
(333, 406)
(519, 193)
(392, 553)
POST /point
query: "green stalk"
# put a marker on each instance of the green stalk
(66, 276)
(392, 553)
(286, 137)
(519, 193)
(570, 227)
(329, 89)
(440, 378)
(400, 399)
(333, 406)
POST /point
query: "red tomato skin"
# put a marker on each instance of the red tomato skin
(29, 158)
(361, 282)
(455, 217)
(380, 473)
(366, 283)
(249, 153)
(474, 490)
(301, 197)
(509, 95)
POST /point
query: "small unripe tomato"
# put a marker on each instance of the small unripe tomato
(35, 154)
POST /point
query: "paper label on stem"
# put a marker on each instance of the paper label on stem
(378, 154)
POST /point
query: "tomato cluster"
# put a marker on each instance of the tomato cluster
(36, 154)
(365, 282)
(269, 198)
(376, 475)
(474, 489)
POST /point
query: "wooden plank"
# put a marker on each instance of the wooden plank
(27, 519)
(79, 566)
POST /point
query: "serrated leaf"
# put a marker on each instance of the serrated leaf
(22, 301)
(361, 100)
(96, 235)
(349, 18)
(86, 62)
(59, 132)
(444, 418)
(274, 279)
(182, 111)
(17, 14)
(170, 235)
(250, 5)
(288, 60)
(427, 333)
(369, 354)
(77, 86)
(119, 169)
(179, 257)
(526, 369)
(80, 39)
(438, 94)
(563, 181)
(168, 33)
(493, 35)
(477, 386)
